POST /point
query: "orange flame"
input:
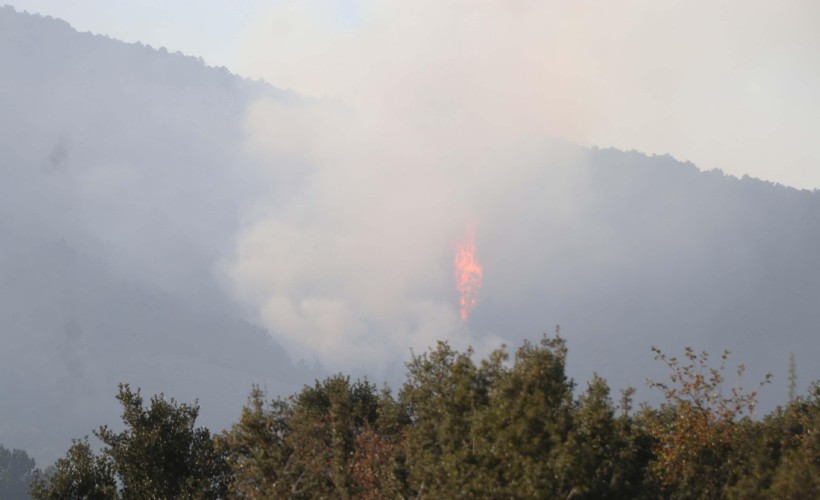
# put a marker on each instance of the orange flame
(468, 273)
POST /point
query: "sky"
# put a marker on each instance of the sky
(332, 222)
(729, 85)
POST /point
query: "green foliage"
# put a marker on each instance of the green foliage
(445, 395)
(529, 421)
(16, 473)
(328, 440)
(798, 473)
(497, 428)
(604, 463)
(79, 475)
(782, 453)
(327, 418)
(256, 448)
(160, 454)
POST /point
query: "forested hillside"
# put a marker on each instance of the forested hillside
(114, 204)
(147, 237)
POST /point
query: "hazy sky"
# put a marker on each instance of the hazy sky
(437, 111)
(730, 85)
(331, 222)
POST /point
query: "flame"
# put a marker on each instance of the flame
(468, 273)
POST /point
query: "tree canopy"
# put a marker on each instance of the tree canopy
(500, 427)
(16, 473)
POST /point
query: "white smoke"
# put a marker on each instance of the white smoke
(431, 113)
(357, 264)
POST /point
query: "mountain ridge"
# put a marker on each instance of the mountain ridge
(119, 208)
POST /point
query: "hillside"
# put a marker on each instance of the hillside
(115, 203)
(128, 184)
(664, 254)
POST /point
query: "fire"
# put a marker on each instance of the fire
(468, 273)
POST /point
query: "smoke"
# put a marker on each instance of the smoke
(666, 79)
(354, 264)
(432, 114)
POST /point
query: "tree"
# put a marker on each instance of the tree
(80, 475)
(528, 422)
(160, 454)
(460, 429)
(256, 448)
(698, 427)
(782, 452)
(324, 441)
(16, 473)
(605, 462)
(792, 377)
(444, 396)
(798, 473)
(378, 466)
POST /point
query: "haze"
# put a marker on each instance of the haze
(728, 85)
(184, 229)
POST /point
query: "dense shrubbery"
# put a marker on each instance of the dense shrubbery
(460, 429)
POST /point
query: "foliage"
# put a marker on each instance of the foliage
(609, 455)
(782, 452)
(79, 475)
(529, 422)
(697, 428)
(378, 466)
(327, 419)
(461, 428)
(445, 393)
(328, 440)
(16, 473)
(798, 473)
(160, 454)
(256, 450)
